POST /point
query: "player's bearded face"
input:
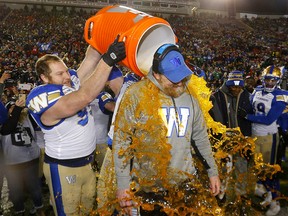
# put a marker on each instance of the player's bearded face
(59, 74)
(172, 89)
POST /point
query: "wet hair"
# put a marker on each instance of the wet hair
(42, 64)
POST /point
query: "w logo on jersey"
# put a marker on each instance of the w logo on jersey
(174, 122)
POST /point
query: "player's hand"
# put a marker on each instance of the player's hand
(115, 53)
(215, 185)
(125, 201)
(20, 103)
(6, 75)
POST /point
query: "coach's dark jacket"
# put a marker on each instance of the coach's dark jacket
(219, 112)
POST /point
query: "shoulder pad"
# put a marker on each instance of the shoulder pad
(281, 98)
(280, 95)
(72, 72)
(45, 96)
(75, 81)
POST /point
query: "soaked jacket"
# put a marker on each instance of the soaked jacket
(152, 138)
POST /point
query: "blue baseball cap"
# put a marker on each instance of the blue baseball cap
(235, 78)
(115, 73)
(173, 67)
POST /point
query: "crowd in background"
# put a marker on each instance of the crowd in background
(220, 45)
(27, 35)
(215, 44)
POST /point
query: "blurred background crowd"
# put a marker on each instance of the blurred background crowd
(211, 43)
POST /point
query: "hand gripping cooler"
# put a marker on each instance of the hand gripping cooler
(141, 32)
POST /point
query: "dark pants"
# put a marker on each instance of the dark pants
(184, 198)
(155, 198)
(24, 178)
(156, 212)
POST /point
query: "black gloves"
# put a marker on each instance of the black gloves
(242, 113)
(115, 53)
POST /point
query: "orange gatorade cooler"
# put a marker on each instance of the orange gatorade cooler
(141, 32)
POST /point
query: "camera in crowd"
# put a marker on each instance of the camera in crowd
(10, 83)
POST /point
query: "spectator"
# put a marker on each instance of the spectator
(3, 118)
(21, 155)
(249, 84)
(230, 97)
(6, 75)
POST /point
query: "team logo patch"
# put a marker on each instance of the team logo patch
(280, 98)
(71, 179)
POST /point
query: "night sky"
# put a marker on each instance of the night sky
(249, 6)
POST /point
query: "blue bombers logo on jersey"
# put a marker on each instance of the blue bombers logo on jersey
(45, 96)
(175, 119)
(42, 101)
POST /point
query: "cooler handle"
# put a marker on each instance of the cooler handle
(88, 29)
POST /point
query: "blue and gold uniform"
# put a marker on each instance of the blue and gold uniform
(69, 147)
(268, 103)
